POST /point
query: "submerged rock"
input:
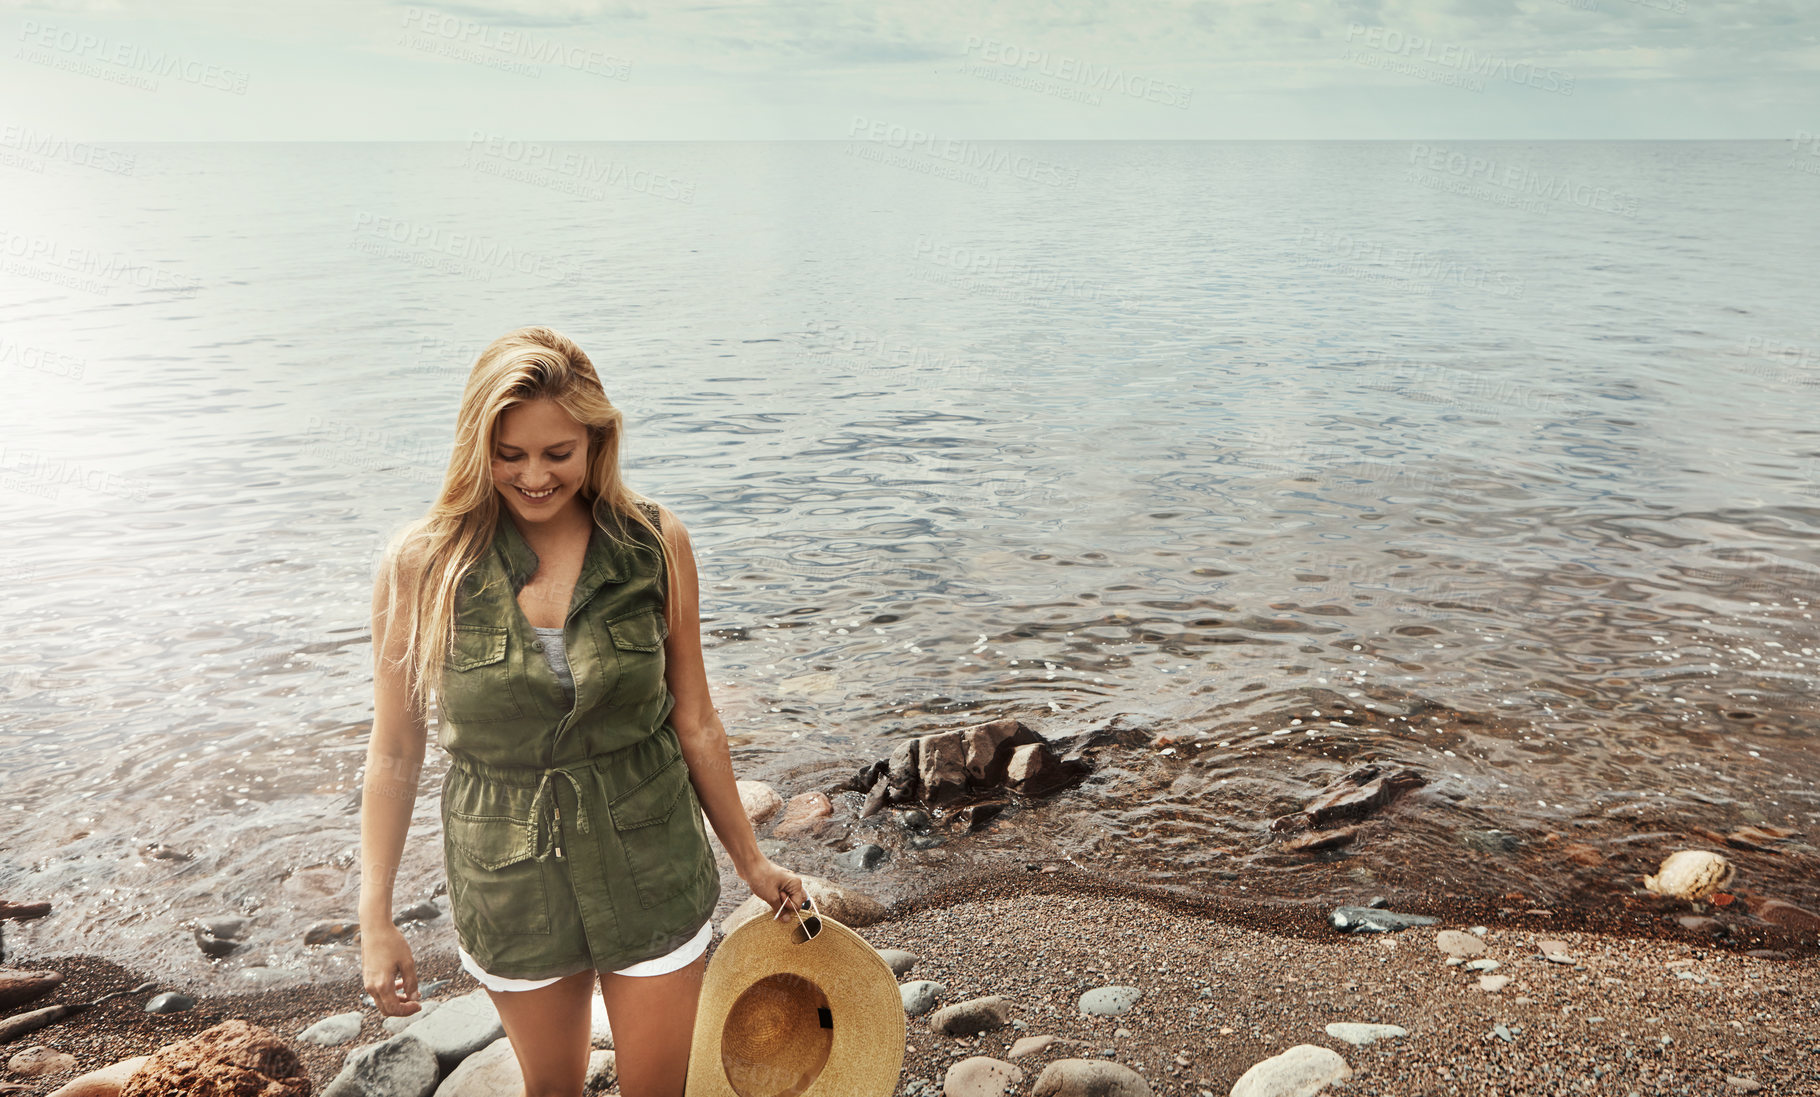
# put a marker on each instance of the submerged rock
(1374, 920)
(1355, 795)
(1691, 874)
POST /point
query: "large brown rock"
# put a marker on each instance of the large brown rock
(105, 1082)
(19, 987)
(807, 813)
(234, 1059)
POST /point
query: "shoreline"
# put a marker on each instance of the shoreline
(1273, 977)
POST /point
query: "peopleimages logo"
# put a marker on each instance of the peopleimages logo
(1074, 70)
(61, 47)
(1462, 59)
(970, 155)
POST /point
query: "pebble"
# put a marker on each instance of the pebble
(334, 1030)
(1109, 1001)
(1362, 1034)
(1483, 964)
(980, 1076)
(1493, 983)
(1455, 943)
(975, 1015)
(899, 961)
(1029, 1045)
(1301, 1071)
(39, 1060)
(919, 997)
(169, 1002)
(105, 1082)
(1090, 1078)
(861, 858)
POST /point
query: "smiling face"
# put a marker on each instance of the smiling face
(540, 460)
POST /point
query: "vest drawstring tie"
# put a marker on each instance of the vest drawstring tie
(547, 841)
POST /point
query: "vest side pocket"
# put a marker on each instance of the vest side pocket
(662, 843)
(497, 886)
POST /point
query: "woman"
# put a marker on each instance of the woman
(555, 614)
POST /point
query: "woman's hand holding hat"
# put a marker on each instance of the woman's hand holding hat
(776, 885)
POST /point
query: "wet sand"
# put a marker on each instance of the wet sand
(1224, 985)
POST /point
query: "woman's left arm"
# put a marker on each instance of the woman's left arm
(703, 739)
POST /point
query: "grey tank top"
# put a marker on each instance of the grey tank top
(558, 657)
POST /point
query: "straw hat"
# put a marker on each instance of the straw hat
(800, 1006)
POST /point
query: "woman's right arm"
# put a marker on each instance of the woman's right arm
(395, 754)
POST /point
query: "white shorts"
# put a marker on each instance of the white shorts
(661, 965)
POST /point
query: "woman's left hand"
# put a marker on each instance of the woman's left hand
(776, 885)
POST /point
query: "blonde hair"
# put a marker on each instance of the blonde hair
(425, 561)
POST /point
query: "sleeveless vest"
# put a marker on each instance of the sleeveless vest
(572, 835)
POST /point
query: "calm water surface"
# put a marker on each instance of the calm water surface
(1302, 455)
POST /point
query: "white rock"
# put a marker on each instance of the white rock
(1691, 874)
(1361, 1034)
(491, 1070)
(1493, 983)
(1302, 1071)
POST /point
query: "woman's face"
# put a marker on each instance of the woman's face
(540, 459)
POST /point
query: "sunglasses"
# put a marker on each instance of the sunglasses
(807, 927)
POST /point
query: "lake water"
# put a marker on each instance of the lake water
(1498, 460)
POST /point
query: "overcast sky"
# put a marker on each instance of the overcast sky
(806, 69)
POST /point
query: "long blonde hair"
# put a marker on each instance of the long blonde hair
(425, 561)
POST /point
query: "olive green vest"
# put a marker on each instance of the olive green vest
(573, 837)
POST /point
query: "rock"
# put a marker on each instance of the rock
(877, 798)
(332, 1031)
(980, 1076)
(1483, 964)
(212, 945)
(491, 1071)
(807, 813)
(459, 1029)
(1742, 1083)
(942, 767)
(915, 819)
(1089, 1078)
(420, 912)
(226, 927)
(972, 1016)
(988, 748)
(975, 816)
(1551, 949)
(603, 1070)
(1491, 984)
(1035, 769)
(903, 778)
(1029, 1045)
(19, 987)
(1787, 915)
(330, 932)
(861, 858)
(1700, 923)
(1455, 943)
(760, 800)
(396, 1025)
(232, 1058)
(1302, 1071)
(899, 961)
(1354, 796)
(37, 1061)
(402, 1066)
(1374, 920)
(846, 906)
(1109, 1001)
(1321, 839)
(1362, 1034)
(106, 1082)
(169, 1002)
(1691, 874)
(919, 997)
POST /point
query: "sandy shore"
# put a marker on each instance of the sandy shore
(1223, 987)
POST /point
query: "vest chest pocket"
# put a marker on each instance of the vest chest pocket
(496, 884)
(477, 685)
(658, 823)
